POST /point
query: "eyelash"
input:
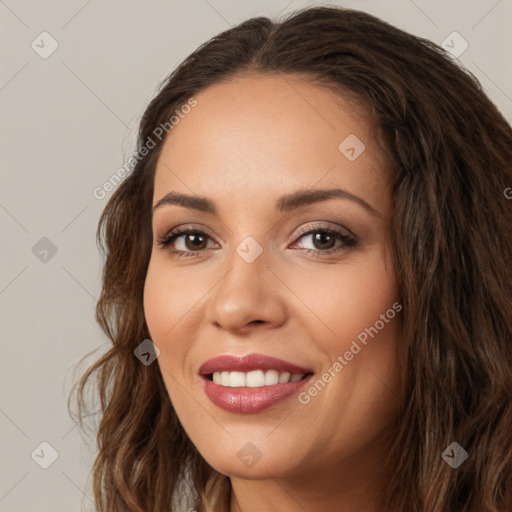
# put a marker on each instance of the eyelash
(347, 240)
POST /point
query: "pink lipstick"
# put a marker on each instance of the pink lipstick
(251, 383)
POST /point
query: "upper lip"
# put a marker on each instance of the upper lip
(228, 363)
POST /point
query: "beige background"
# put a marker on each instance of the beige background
(67, 124)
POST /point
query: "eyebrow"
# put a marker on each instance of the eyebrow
(285, 203)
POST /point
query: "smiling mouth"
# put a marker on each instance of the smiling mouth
(254, 379)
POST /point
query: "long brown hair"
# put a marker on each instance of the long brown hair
(450, 151)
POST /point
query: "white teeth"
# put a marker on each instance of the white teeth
(284, 377)
(271, 377)
(236, 379)
(254, 379)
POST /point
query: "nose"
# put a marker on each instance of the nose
(249, 296)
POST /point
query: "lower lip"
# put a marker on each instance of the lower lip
(249, 400)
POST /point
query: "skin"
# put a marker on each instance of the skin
(247, 142)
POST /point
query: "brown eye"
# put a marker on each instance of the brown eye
(323, 240)
(185, 242)
(195, 241)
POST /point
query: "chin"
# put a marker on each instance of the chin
(252, 460)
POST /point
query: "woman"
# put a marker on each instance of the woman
(254, 368)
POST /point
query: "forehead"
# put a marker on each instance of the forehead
(270, 135)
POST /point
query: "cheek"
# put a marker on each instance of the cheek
(155, 306)
(167, 299)
(162, 313)
(170, 312)
(349, 298)
(172, 309)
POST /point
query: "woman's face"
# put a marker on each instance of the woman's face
(272, 267)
